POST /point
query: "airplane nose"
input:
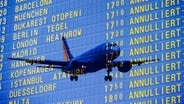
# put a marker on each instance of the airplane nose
(117, 50)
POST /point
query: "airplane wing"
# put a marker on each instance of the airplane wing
(142, 62)
(46, 62)
(116, 63)
(125, 66)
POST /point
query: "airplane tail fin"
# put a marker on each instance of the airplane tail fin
(67, 54)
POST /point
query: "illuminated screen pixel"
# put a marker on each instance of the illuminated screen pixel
(142, 29)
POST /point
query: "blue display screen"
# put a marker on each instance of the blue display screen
(142, 29)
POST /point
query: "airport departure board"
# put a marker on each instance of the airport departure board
(143, 29)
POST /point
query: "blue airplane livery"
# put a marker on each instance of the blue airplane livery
(101, 57)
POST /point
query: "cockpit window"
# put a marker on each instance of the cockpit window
(111, 45)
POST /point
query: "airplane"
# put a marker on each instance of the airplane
(101, 57)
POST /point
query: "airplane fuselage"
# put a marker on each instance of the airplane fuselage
(96, 58)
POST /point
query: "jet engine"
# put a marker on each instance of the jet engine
(124, 66)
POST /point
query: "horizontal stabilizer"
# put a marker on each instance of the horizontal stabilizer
(56, 67)
(47, 62)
